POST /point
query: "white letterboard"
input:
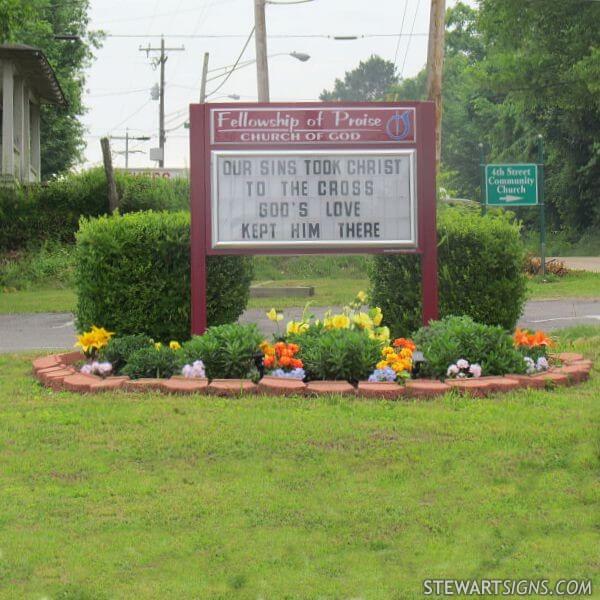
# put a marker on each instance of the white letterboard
(325, 199)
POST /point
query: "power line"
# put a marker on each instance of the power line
(401, 30)
(409, 39)
(137, 110)
(228, 74)
(273, 35)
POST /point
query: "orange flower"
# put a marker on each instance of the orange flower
(404, 343)
(296, 363)
(293, 348)
(539, 338)
(268, 361)
(285, 361)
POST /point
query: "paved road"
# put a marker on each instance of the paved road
(581, 263)
(56, 330)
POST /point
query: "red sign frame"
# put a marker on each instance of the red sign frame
(421, 137)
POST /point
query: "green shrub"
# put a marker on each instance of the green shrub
(120, 348)
(31, 214)
(480, 273)
(153, 362)
(142, 192)
(133, 276)
(227, 351)
(444, 342)
(341, 354)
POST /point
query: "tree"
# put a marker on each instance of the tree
(35, 23)
(368, 82)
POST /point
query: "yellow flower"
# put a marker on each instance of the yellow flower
(94, 339)
(363, 321)
(158, 345)
(296, 327)
(387, 350)
(327, 323)
(377, 316)
(274, 315)
(86, 341)
(102, 336)
(361, 297)
(340, 322)
(174, 345)
(382, 364)
(382, 334)
(406, 353)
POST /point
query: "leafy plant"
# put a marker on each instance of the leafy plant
(228, 351)
(153, 361)
(119, 349)
(133, 275)
(444, 342)
(339, 354)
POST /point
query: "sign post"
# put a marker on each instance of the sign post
(312, 178)
(508, 185)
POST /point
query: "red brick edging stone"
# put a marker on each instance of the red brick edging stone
(58, 373)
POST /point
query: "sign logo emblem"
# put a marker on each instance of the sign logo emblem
(398, 126)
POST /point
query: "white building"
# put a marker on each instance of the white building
(26, 80)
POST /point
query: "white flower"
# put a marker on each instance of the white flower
(452, 371)
(461, 363)
(475, 370)
(196, 369)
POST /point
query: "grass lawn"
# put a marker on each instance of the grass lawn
(125, 496)
(43, 299)
(328, 292)
(577, 284)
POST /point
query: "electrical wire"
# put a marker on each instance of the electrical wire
(409, 39)
(137, 110)
(400, 34)
(229, 73)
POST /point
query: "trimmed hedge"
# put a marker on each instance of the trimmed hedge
(31, 214)
(480, 265)
(132, 275)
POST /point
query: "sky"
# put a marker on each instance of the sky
(119, 81)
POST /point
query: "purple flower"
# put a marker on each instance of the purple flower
(542, 364)
(97, 368)
(297, 373)
(475, 370)
(387, 374)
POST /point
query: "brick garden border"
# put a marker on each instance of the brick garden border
(58, 373)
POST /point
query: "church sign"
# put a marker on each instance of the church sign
(312, 178)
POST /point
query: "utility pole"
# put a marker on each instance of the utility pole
(113, 197)
(262, 64)
(435, 66)
(160, 62)
(128, 137)
(204, 75)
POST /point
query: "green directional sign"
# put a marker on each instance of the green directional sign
(511, 185)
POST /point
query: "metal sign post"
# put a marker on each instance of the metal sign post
(542, 203)
(312, 178)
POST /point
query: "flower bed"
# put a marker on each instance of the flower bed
(349, 353)
(59, 372)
